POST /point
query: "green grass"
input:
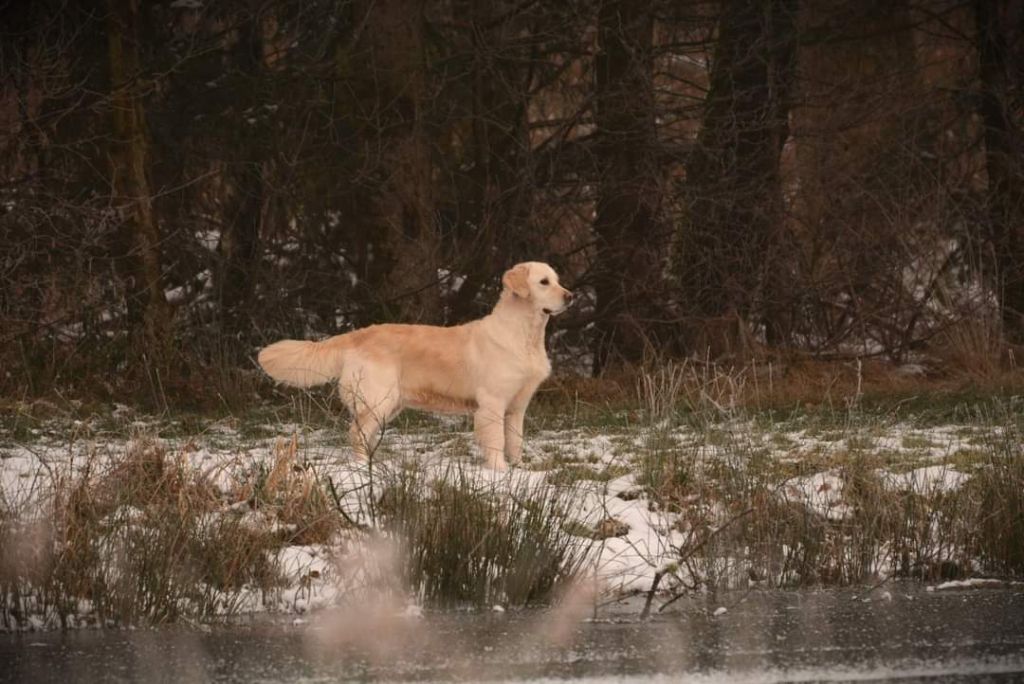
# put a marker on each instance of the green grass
(918, 442)
(573, 473)
(968, 460)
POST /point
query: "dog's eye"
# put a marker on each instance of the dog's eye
(545, 281)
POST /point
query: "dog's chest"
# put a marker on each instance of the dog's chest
(540, 369)
(535, 370)
(529, 371)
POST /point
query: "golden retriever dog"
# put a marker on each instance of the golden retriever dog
(488, 367)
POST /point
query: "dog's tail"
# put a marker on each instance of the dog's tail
(302, 364)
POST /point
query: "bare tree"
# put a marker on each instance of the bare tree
(1000, 39)
(394, 54)
(627, 221)
(717, 177)
(495, 58)
(730, 238)
(139, 234)
(240, 238)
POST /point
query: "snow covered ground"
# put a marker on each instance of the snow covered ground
(633, 538)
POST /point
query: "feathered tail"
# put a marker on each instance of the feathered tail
(301, 363)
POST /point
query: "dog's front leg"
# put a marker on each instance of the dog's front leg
(514, 416)
(489, 426)
(514, 434)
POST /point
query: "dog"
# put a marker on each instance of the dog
(489, 367)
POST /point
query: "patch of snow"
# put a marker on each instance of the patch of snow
(412, 611)
(176, 295)
(976, 583)
(926, 480)
(821, 493)
(208, 239)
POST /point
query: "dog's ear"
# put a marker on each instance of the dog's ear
(516, 280)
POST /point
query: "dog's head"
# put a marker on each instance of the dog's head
(537, 283)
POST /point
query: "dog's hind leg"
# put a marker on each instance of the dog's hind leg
(371, 405)
(368, 426)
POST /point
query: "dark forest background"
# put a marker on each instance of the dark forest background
(183, 181)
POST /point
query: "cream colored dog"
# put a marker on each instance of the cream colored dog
(489, 367)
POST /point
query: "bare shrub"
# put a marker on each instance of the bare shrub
(974, 348)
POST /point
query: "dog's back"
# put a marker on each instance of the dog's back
(426, 360)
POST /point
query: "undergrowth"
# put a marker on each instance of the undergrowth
(144, 536)
(141, 536)
(749, 517)
(135, 538)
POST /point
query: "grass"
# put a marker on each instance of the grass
(781, 390)
(744, 518)
(578, 472)
(918, 442)
(995, 496)
(134, 539)
(464, 542)
(144, 535)
(294, 494)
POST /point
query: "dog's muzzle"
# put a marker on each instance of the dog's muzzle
(567, 301)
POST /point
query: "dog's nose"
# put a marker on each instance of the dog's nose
(568, 297)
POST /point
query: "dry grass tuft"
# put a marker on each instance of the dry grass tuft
(462, 542)
(743, 519)
(965, 362)
(290, 492)
(995, 496)
(139, 538)
(977, 351)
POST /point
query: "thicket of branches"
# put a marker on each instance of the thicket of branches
(185, 180)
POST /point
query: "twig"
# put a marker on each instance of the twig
(650, 593)
(341, 510)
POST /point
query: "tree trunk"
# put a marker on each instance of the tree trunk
(999, 33)
(725, 250)
(627, 222)
(863, 188)
(240, 238)
(239, 245)
(139, 234)
(404, 204)
(497, 189)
